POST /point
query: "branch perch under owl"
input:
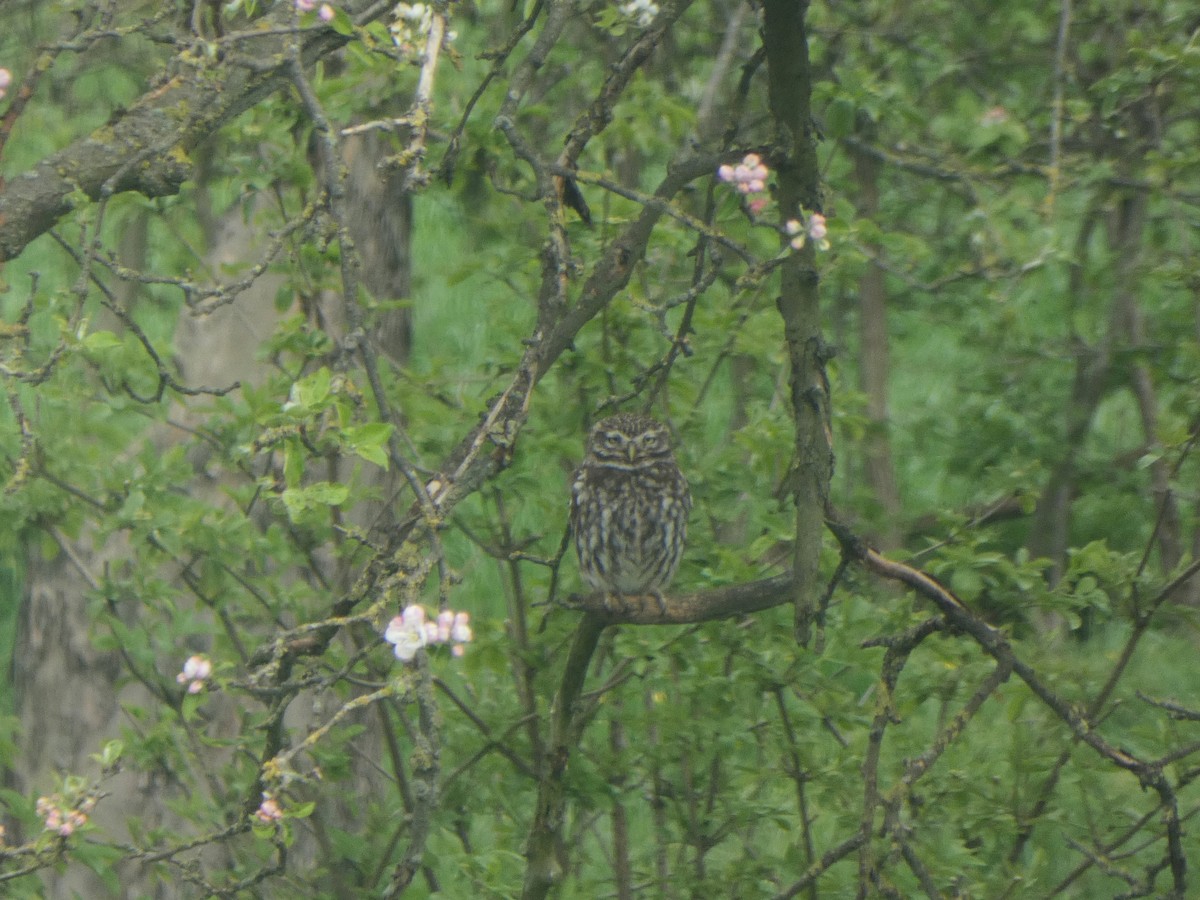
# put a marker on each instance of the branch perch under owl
(699, 606)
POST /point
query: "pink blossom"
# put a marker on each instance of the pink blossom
(749, 176)
(306, 5)
(406, 634)
(196, 672)
(445, 623)
(641, 11)
(816, 229)
(50, 813)
(796, 231)
(460, 633)
(57, 816)
(412, 630)
(269, 811)
(5, 81)
(75, 819)
(325, 13)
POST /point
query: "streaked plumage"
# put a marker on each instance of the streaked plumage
(629, 507)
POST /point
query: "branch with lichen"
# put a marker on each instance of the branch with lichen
(146, 149)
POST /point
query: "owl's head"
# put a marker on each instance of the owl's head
(629, 440)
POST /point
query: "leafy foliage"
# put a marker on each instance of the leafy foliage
(207, 456)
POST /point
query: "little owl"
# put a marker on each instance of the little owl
(629, 508)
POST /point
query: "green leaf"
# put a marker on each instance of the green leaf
(293, 464)
(369, 441)
(839, 117)
(110, 754)
(301, 810)
(99, 341)
(341, 23)
(321, 495)
(309, 392)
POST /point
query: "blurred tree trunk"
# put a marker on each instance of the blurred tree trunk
(1113, 361)
(1169, 527)
(873, 365)
(1049, 534)
(54, 659)
(54, 652)
(380, 222)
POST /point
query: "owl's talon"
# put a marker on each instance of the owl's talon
(613, 603)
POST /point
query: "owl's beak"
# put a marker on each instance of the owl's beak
(631, 451)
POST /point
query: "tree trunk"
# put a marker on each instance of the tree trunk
(878, 468)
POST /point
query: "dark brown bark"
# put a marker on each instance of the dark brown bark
(701, 606)
(789, 95)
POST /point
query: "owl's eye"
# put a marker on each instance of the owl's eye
(613, 439)
(649, 439)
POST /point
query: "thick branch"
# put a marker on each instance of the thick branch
(701, 606)
(146, 149)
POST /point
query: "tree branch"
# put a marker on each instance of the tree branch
(701, 606)
(146, 148)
